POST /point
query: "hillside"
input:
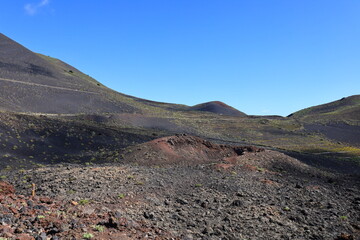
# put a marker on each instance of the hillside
(338, 120)
(36, 83)
(346, 109)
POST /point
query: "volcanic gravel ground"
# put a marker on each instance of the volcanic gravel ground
(264, 195)
(339, 132)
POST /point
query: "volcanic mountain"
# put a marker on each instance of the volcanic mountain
(32, 82)
(218, 108)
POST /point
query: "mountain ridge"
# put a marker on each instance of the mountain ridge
(24, 75)
(346, 108)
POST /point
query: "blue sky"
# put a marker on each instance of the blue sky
(259, 56)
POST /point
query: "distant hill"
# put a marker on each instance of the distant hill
(345, 109)
(218, 108)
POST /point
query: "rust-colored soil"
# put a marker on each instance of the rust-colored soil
(184, 149)
(6, 188)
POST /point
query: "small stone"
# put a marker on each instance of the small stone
(182, 201)
(117, 214)
(237, 203)
(64, 227)
(330, 205)
(13, 210)
(149, 215)
(46, 200)
(344, 236)
(204, 204)
(240, 194)
(42, 236)
(22, 209)
(30, 203)
(207, 230)
(19, 230)
(188, 237)
(41, 207)
(88, 210)
(304, 212)
(133, 224)
(190, 223)
(331, 180)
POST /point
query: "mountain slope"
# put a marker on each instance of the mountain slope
(35, 83)
(341, 110)
(338, 120)
(31, 82)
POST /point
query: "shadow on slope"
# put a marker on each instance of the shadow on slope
(330, 161)
(337, 131)
(32, 140)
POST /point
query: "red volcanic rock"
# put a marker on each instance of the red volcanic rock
(24, 236)
(6, 188)
(184, 149)
(46, 200)
(345, 237)
(6, 229)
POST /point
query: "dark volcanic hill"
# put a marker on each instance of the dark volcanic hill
(218, 108)
(35, 83)
(32, 82)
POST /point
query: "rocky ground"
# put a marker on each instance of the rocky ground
(249, 194)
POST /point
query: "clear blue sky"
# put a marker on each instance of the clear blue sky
(259, 56)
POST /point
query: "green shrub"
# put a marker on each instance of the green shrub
(88, 235)
(99, 228)
(84, 201)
